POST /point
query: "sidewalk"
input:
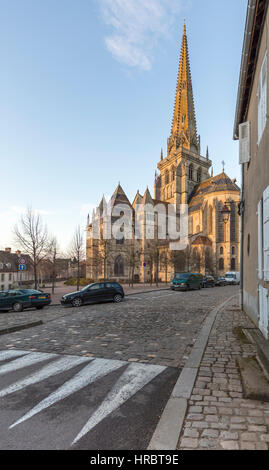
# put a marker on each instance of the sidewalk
(218, 417)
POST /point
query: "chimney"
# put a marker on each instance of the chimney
(8, 250)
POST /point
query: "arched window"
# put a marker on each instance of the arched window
(220, 224)
(233, 221)
(191, 172)
(190, 225)
(233, 250)
(221, 264)
(119, 266)
(221, 250)
(196, 260)
(173, 173)
(199, 175)
(210, 220)
(233, 264)
(167, 177)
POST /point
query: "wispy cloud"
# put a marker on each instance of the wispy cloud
(136, 27)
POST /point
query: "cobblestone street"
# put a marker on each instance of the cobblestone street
(154, 329)
(157, 327)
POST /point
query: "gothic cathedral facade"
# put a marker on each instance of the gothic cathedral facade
(182, 177)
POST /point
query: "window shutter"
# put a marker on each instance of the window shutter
(266, 233)
(264, 92)
(263, 311)
(260, 241)
(244, 142)
(262, 99)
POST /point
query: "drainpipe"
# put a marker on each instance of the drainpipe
(242, 211)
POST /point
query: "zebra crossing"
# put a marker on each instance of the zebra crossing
(35, 368)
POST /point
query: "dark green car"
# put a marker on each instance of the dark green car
(20, 299)
(186, 281)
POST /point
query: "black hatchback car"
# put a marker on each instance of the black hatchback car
(94, 293)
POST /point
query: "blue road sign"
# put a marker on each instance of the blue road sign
(22, 267)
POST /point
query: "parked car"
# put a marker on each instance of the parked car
(220, 282)
(208, 281)
(186, 281)
(20, 299)
(232, 278)
(94, 293)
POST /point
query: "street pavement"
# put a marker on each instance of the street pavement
(98, 377)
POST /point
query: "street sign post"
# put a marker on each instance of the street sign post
(22, 267)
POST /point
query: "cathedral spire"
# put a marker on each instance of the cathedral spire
(184, 122)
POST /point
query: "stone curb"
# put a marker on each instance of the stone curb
(168, 430)
(24, 326)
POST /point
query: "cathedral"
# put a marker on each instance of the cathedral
(182, 178)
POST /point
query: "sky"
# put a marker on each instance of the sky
(87, 91)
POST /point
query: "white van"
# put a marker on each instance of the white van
(232, 278)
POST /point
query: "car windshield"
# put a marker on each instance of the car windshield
(182, 276)
(230, 276)
(30, 291)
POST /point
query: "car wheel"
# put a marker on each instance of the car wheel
(17, 307)
(117, 298)
(77, 302)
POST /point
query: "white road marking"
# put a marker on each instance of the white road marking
(28, 360)
(135, 377)
(161, 296)
(10, 353)
(89, 374)
(54, 368)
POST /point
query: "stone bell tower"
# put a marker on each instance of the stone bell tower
(184, 167)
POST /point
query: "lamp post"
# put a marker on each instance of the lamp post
(226, 212)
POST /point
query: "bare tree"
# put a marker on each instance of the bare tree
(178, 260)
(105, 256)
(152, 255)
(53, 258)
(133, 255)
(209, 261)
(77, 251)
(165, 260)
(32, 237)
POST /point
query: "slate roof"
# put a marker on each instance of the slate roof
(221, 182)
(202, 240)
(119, 197)
(10, 261)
